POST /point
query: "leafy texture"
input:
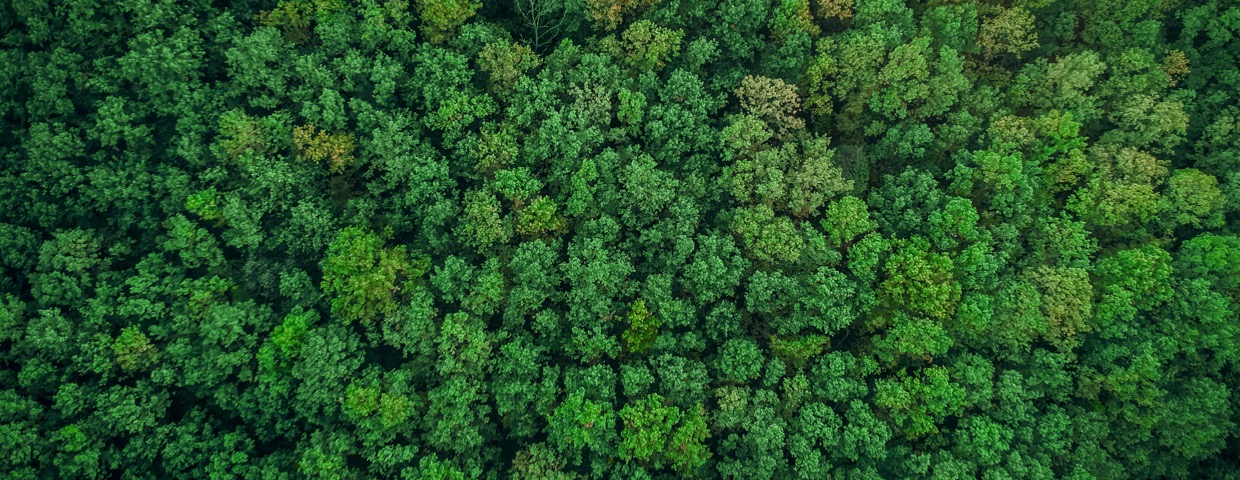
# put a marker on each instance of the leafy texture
(620, 239)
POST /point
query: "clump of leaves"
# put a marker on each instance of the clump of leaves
(295, 18)
(319, 146)
(771, 100)
(134, 350)
(206, 203)
(608, 14)
(643, 328)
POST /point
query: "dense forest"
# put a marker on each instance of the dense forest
(619, 239)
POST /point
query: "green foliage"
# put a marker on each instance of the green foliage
(538, 217)
(846, 219)
(796, 180)
(1066, 302)
(648, 46)
(647, 426)
(134, 350)
(643, 328)
(289, 337)
(206, 204)
(1193, 198)
(662, 435)
(440, 18)
(716, 268)
(608, 14)
(792, 17)
(920, 282)
(243, 136)
(367, 279)
(613, 239)
(918, 403)
(740, 360)
(482, 225)
(687, 450)
(580, 424)
(506, 64)
(296, 17)
(767, 237)
(318, 146)
(771, 100)
(541, 463)
(1009, 31)
(798, 351)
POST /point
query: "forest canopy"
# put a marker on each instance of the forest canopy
(620, 239)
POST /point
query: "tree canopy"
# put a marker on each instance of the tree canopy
(620, 239)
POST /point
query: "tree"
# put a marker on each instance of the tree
(687, 451)
(1192, 198)
(609, 14)
(648, 46)
(539, 217)
(920, 282)
(643, 328)
(613, 239)
(441, 17)
(771, 100)
(578, 424)
(134, 350)
(483, 227)
(66, 267)
(1122, 189)
(318, 146)
(524, 387)
(716, 268)
(766, 237)
(846, 219)
(1010, 31)
(662, 435)
(1066, 303)
(918, 403)
(792, 17)
(296, 17)
(739, 360)
(1132, 280)
(366, 278)
(541, 463)
(544, 18)
(647, 427)
(506, 64)
(534, 279)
